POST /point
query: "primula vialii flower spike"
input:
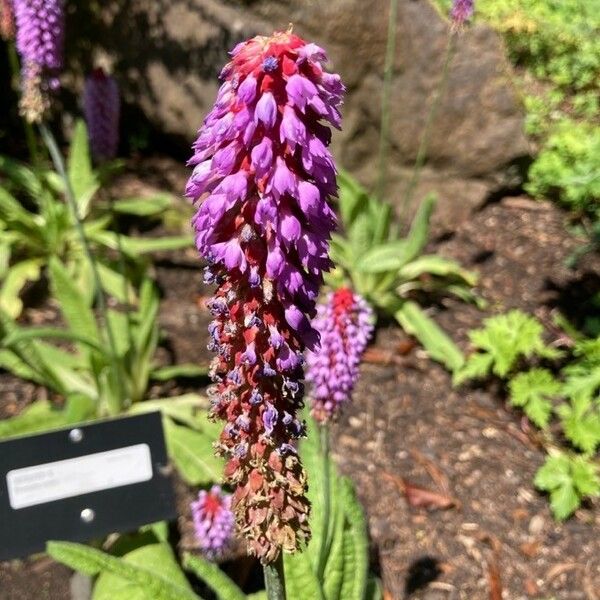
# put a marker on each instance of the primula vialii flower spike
(345, 323)
(40, 38)
(214, 522)
(461, 12)
(101, 107)
(262, 177)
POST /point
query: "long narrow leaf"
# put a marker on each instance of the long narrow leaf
(215, 578)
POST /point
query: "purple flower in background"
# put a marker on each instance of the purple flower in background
(7, 20)
(214, 523)
(262, 180)
(345, 323)
(461, 12)
(101, 107)
(40, 37)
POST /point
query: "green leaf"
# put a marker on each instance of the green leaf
(564, 501)
(179, 371)
(39, 416)
(355, 575)
(439, 346)
(531, 391)
(431, 264)
(73, 305)
(390, 256)
(22, 176)
(14, 281)
(223, 586)
(581, 424)
(300, 580)
(135, 246)
(148, 572)
(352, 197)
(477, 366)
(419, 229)
(79, 168)
(34, 333)
(193, 455)
(143, 207)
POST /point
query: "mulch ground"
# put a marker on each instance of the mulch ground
(409, 434)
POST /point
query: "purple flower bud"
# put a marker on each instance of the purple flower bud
(101, 107)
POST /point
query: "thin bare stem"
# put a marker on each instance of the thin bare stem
(424, 143)
(388, 72)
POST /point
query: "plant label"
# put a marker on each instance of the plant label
(83, 482)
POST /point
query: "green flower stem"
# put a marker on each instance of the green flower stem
(59, 165)
(324, 433)
(388, 72)
(274, 580)
(424, 143)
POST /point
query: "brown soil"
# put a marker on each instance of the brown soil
(407, 424)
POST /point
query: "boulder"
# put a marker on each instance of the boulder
(167, 56)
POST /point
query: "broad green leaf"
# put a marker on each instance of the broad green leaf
(138, 245)
(74, 307)
(300, 580)
(192, 453)
(564, 501)
(13, 213)
(114, 284)
(581, 427)
(79, 168)
(143, 207)
(149, 572)
(431, 264)
(213, 576)
(355, 577)
(439, 346)
(12, 363)
(35, 333)
(390, 256)
(476, 366)
(353, 198)
(14, 281)
(22, 176)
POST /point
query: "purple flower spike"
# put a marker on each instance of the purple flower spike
(461, 12)
(262, 178)
(345, 323)
(101, 107)
(214, 523)
(40, 38)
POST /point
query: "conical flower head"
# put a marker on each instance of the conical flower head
(345, 324)
(214, 523)
(101, 107)
(461, 12)
(40, 39)
(262, 177)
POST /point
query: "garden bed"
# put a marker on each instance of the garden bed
(408, 427)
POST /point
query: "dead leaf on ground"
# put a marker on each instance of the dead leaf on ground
(530, 549)
(494, 581)
(418, 497)
(531, 587)
(435, 472)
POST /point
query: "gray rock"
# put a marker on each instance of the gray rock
(168, 54)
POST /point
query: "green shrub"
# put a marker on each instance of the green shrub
(568, 168)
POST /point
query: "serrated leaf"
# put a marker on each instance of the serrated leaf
(564, 501)
(553, 473)
(149, 572)
(585, 476)
(215, 578)
(531, 391)
(581, 428)
(476, 366)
